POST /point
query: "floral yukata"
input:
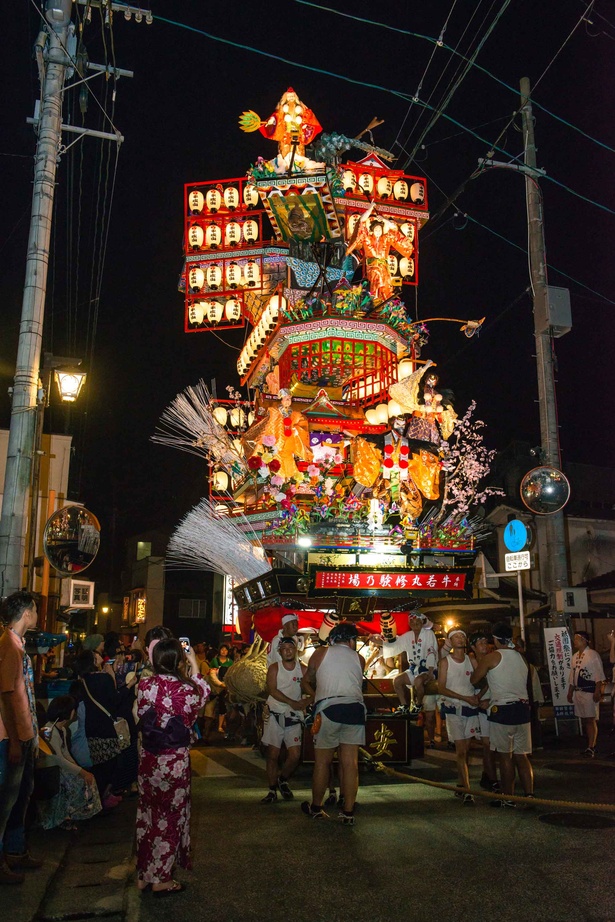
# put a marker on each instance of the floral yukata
(163, 814)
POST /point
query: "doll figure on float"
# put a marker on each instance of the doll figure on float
(376, 237)
(288, 429)
(293, 126)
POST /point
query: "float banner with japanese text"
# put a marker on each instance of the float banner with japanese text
(558, 648)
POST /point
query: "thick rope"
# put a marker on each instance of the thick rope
(533, 801)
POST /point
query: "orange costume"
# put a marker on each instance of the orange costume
(290, 430)
(291, 123)
(377, 237)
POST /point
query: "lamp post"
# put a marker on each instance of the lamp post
(70, 380)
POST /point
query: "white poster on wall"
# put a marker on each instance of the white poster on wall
(558, 648)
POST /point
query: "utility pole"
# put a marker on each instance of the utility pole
(25, 389)
(53, 51)
(549, 436)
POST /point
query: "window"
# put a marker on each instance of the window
(192, 608)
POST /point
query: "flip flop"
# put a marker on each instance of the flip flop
(175, 887)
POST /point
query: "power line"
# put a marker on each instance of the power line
(479, 67)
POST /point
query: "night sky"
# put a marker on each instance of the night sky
(179, 117)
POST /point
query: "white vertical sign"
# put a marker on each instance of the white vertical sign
(229, 607)
(558, 649)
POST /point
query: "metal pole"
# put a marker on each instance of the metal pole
(554, 523)
(521, 609)
(24, 407)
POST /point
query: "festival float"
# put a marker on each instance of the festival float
(342, 479)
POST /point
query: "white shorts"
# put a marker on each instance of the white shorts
(584, 705)
(275, 733)
(429, 702)
(462, 728)
(510, 738)
(331, 734)
(485, 731)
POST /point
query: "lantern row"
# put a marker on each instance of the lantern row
(226, 275)
(229, 195)
(266, 325)
(360, 179)
(214, 312)
(230, 233)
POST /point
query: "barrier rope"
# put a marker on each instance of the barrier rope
(488, 795)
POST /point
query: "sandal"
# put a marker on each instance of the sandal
(176, 887)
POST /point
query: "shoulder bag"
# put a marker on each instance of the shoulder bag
(120, 724)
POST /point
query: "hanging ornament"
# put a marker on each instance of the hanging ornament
(232, 310)
(250, 231)
(400, 190)
(349, 181)
(250, 196)
(215, 310)
(384, 187)
(233, 275)
(196, 312)
(232, 234)
(214, 276)
(406, 267)
(252, 274)
(213, 236)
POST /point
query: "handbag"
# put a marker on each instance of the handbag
(120, 724)
(46, 777)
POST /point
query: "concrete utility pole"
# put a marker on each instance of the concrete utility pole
(25, 389)
(549, 436)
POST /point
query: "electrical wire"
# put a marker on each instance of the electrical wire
(479, 67)
(431, 96)
(443, 105)
(425, 71)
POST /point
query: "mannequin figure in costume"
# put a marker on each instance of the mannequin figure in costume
(290, 430)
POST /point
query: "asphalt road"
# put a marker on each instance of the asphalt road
(415, 853)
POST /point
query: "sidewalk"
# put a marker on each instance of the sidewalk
(83, 875)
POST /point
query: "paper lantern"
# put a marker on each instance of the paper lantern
(366, 183)
(232, 310)
(215, 311)
(213, 200)
(392, 264)
(276, 304)
(250, 195)
(250, 231)
(237, 417)
(219, 481)
(196, 202)
(394, 408)
(214, 276)
(196, 312)
(196, 279)
(252, 274)
(404, 368)
(417, 193)
(407, 229)
(406, 267)
(382, 412)
(231, 198)
(351, 224)
(349, 181)
(220, 415)
(195, 236)
(384, 187)
(233, 275)
(213, 236)
(372, 416)
(400, 190)
(232, 234)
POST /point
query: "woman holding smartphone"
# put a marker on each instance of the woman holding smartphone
(168, 703)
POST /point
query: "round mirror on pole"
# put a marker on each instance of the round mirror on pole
(71, 539)
(545, 490)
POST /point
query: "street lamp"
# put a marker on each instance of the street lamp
(70, 381)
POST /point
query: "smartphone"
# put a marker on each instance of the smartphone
(110, 662)
(185, 642)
